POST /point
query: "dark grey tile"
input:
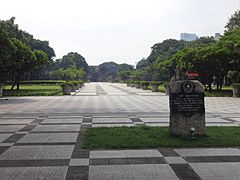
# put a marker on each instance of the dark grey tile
(99, 161)
(211, 159)
(185, 172)
(80, 154)
(137, 160)
(194, 159)
(3, 149)
(156, 160)
(13, 138)
(37, 121)
(87, 120)
(28, 128)
(77, 173)
(86, 126)
(118, 161)
(168, 152)
(231, 158)
(135, 119)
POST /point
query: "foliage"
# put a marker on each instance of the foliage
(67, 84)
(20, 53)
(214, 61)
(155, 83)
(6, 51)
(72, 59)
(68, 74)
(144, 83)
(110, 71)
(234, 21)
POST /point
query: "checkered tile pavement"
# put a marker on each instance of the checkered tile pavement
(50, 147)
(40, 137)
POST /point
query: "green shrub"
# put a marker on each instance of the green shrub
(155, 83)
(144, 83)
(68, 83)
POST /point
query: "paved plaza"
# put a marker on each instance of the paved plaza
(40, 137)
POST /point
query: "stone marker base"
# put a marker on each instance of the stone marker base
(181, 125)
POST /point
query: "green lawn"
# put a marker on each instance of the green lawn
(33, 90)
(225, 92)
(222, 93)
(152, 137)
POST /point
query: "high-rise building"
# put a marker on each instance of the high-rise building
(188, 37)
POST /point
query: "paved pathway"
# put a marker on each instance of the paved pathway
(40, 137)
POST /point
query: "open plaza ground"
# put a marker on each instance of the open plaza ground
(42, 137)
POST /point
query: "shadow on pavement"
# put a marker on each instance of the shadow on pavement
(5, 100)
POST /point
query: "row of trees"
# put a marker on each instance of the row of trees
(109, 71)
(212, 60)
(22, 57)
(70, 67)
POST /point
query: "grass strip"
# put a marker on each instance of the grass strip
(33, 90)
(153, 137)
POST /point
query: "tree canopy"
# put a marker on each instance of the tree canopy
(20, 53)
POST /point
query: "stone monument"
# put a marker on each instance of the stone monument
(187, 109)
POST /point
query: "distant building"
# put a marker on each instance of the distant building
(188, 37)
(217, 36)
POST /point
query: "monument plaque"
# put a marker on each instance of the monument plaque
(186, 108)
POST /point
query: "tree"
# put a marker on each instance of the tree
(234, 21)
(23, 59)
(72, 60)
(231, 42)
(6, 53)
(41, 61)
(71, 73)
(21, 54)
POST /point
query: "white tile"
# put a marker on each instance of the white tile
(218, 171)
(38, 152)
(142, 153)
(116, 172)
(124, 154)
(175, 160)
(158, 119)
(33, 173)
(153, 172)
(79, 162)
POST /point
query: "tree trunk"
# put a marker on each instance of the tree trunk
(18, 82)
(14, 84)
(210, 87)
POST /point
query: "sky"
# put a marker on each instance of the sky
(122, 31)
